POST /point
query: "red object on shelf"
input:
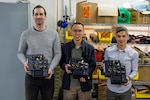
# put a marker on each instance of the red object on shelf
(99, 56)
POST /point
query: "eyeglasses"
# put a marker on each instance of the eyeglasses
(77, 31)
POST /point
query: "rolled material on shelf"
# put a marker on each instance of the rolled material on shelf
(124, 16)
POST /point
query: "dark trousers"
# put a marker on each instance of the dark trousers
(118, 96)
(35, 85)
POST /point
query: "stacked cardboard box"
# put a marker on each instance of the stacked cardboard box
(102, 91)
(140, 17)
(107, 14)
(89, 12)
(86, 12)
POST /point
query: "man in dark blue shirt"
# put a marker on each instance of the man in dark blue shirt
(77, 48)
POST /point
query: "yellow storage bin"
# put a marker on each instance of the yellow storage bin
(142, 93)
(95, 75)
(68, 36)
(105, 37)
(102, 77)
(136, 77)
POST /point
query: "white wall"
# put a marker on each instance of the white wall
(49, 5)
(8, 0)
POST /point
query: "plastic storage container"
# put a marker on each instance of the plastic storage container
(124, 16)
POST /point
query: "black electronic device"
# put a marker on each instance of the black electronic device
(38, 65)
(115, 71)
(79, 68)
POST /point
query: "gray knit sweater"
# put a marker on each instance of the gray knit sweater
(44, 42)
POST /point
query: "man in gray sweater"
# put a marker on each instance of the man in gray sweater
(39, 40)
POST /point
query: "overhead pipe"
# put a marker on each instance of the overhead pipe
(56, 14)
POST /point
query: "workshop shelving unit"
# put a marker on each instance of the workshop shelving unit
(134, 29)
(140, 90)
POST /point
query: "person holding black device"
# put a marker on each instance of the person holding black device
(77, 88)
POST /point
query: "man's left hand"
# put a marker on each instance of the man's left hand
(82, 79)
(128, 81)
(50, 73)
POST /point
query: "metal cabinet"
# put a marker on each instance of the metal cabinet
(14, 18)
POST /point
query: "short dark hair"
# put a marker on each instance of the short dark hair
(119, 29)
(77, 23)
(39, 6)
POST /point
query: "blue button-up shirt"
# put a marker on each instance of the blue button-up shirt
(129, 58)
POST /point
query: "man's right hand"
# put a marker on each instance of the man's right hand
(26, 68)
(102, 65)
(66, 68)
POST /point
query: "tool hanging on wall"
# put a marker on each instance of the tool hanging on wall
(63, 23)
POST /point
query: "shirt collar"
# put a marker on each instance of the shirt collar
(125, 50)
(82, 44)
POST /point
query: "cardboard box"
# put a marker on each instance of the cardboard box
(148, 1)
(107, 14)
(144, 73)
(139, 17)
(86, 12)
(102, 92)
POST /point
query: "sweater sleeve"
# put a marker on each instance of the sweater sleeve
(134, 66)
(56, 51)
(92, 60)
(22, 48)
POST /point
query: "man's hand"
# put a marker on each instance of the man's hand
(50, 73)
(26, 68)
(82, 79)
(66, 69)
(102, 65)
(128, 81)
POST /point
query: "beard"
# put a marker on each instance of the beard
(77, 39)
(39, 23)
